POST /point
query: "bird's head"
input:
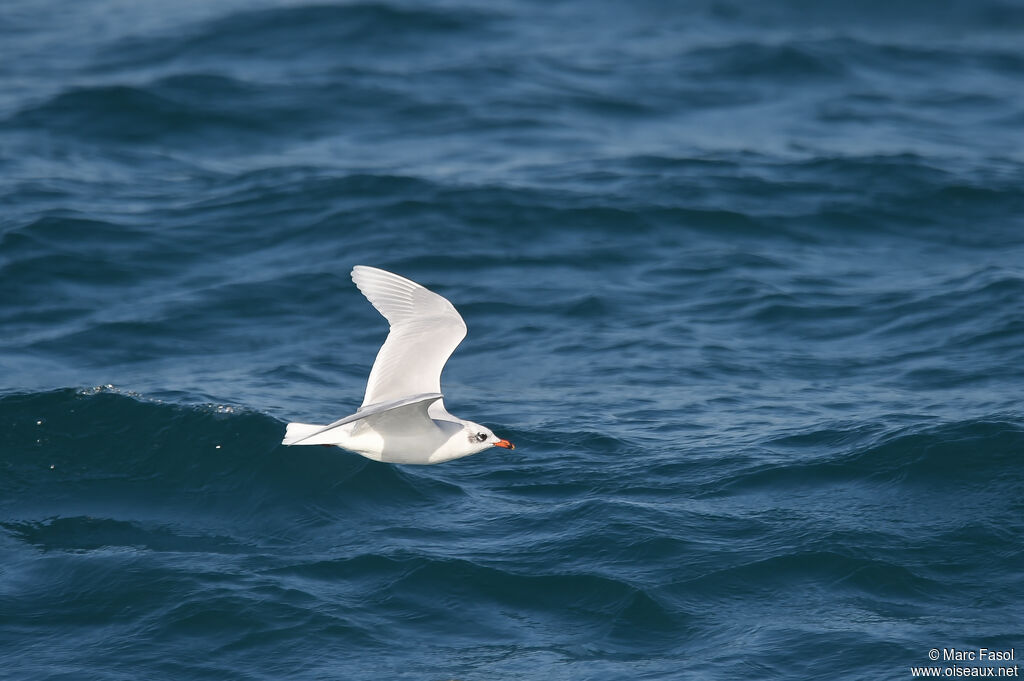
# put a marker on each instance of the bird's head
(480, 438)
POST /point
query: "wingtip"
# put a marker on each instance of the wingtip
(366, 277)
(360, 274)
(367, 272)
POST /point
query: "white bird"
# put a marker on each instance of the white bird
(402, 418)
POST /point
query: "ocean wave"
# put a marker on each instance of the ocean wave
(195, 110)
(950, 455)
(99, 449)
(84, 533)
(797, 569)
(303, 30)
(597, 605)
(761, 61)
(121, 112)
(879, 15)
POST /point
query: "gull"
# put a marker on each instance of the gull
(402, 418)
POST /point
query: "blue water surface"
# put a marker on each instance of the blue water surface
(744, 283)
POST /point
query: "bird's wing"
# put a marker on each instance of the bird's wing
(425, 330)
(411, 411)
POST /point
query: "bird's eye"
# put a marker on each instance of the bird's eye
(481, 437)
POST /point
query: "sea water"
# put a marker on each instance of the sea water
(744, 283)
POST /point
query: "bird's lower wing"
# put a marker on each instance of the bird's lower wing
(410, 411)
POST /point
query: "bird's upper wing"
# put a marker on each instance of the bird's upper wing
(425, 330)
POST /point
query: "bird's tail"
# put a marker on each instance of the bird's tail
(298, 431)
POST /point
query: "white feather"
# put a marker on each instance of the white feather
(425, 330)
(402, 418)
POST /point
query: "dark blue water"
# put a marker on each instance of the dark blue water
(744, 283)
